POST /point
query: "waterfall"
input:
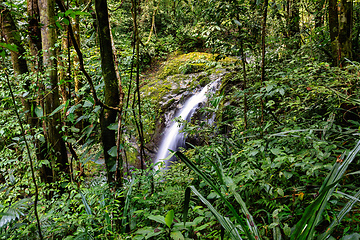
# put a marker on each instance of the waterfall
(172, 138)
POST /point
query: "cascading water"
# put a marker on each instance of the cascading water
(172, 138)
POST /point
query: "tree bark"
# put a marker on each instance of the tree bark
(293, 24)
(319, 21)
(263, 36)
(111, 88)
(340, 26)
(12, 36)
(56, 143)
(36, 67)
(345, 29)
(334, 30)
(34, 34)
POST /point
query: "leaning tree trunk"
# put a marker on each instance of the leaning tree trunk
(12, 36)
(57, 153)
(111, 88)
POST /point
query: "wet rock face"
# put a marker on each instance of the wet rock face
(179, 80)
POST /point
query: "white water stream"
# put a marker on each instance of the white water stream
(172, 138)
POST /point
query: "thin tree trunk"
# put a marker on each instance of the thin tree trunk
(319, 20)
(334, 30)
(263, 56)
(243, 60)
(36, 68)
(139, 125)
(111, 88)
(293, 22)
(345, 29)
(56, 143)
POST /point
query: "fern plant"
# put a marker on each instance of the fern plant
(304, 229)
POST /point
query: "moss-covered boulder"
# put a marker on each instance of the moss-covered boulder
(178, 79)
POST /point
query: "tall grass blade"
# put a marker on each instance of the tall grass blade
(249, 218)
(225, 222)
(340, 216)
(193, 167)
(107, 216)
(127, 203)
(186, 204)
(86, 205)
(305, 229)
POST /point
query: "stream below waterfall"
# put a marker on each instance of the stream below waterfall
(172, 137)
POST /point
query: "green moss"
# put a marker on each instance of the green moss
(173, 78)
(225, 81)
(186, 63)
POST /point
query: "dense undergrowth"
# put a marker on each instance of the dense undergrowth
(288, 174)
(271, 171)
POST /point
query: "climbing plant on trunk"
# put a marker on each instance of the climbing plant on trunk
(57, 153)
(111, 87)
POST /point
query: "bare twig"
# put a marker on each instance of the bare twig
(29, 155)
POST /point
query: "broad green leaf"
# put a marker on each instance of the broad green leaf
(287, 174)
(81, 13)
(113, 151)
(68, 12)
(88, 104)
(57, 110)
(237, 22)
(177, 235)
(287, 230)
(169, 218)
(113, 126)
(65, 21)
(353, 236)
(11, 47)
(280, 192)
(39, 111)
(157, 218)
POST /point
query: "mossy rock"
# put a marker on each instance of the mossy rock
(193, 62)
(176, 80)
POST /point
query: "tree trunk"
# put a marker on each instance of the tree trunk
(319, 21)
(111, 88)
(34, 34)
(18, 60)
(334, 30)
(293, 24)
(356, 40)
(263, 35)
(58, 156)
(36, 67)
(12, 36)
(340, 26)
(345, 29)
